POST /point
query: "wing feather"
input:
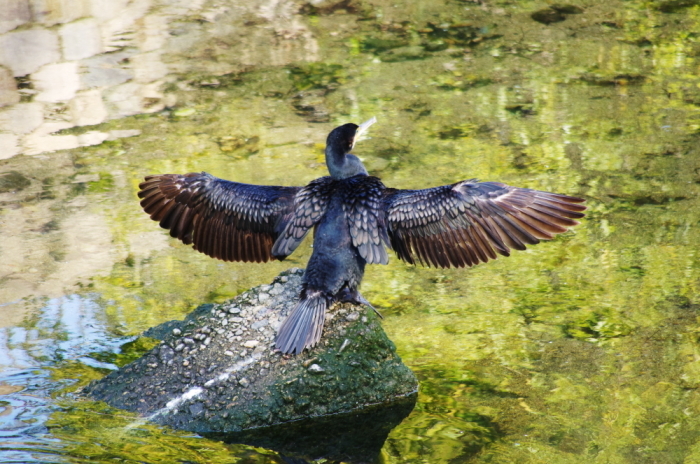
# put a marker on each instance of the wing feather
(225, 220)
(309, 207)
(470, 222)
(362, 204)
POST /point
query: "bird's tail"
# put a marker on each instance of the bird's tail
(302, 328)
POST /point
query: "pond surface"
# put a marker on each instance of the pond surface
(582, 349)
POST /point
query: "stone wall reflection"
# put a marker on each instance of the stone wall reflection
(69, 63)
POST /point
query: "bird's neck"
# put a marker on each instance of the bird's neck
(343, 165)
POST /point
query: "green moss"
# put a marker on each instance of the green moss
(597, 325)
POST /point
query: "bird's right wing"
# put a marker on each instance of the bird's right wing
(466, 223)
(227, 220)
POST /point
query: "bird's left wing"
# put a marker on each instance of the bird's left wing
(310, 205)
(227, 220)
(466, 223)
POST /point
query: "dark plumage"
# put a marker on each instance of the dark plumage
(355, 219)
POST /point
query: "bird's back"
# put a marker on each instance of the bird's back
(344, 234)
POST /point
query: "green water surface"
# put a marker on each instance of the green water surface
(582, 349)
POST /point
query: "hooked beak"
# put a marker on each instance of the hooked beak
(362, 128)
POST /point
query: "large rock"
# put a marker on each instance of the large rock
(217, 372)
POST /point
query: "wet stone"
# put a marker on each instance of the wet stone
(276, 289)
(166, 353)
(57, 82)
(26, 51)
(22, 118)
(80, 39)
(244, 374)
(106, 70)
(15, 13)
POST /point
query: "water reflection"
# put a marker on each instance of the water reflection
(63, 330)
(354, 438)
(100, 60)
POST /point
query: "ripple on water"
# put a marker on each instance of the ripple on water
(31, 377)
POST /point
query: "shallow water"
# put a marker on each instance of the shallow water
(583, 349)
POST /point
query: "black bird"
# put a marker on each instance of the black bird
(355, 219)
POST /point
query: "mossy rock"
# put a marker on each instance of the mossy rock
(217, 370)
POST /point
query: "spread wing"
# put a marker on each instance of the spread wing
(469, 222)
(362, 204)
(225, 220)
(309, 207)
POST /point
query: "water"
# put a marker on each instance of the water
(583, 349)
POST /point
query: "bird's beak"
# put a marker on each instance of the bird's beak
(362, 128)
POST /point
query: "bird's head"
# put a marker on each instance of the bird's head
(341, 164)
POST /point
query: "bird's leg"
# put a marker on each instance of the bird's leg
(361, 299)
(353, 296)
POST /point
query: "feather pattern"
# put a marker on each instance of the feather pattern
(304, 325)
(362, 204)
(310, 205)
(469, 222)
(225, 220)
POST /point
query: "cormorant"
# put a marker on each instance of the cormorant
(355, 219)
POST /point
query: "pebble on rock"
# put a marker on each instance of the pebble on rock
(316, 369)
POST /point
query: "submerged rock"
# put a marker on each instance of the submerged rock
(217, 370)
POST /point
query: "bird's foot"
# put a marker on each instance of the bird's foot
(362, 300)
(356, 298)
